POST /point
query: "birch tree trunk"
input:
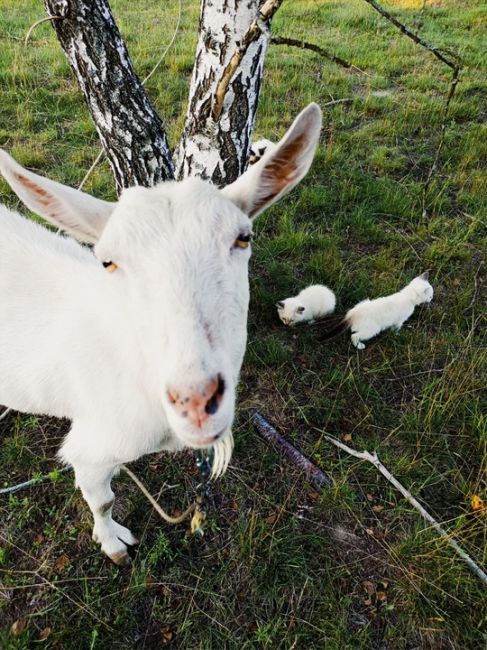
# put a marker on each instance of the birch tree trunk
(130, 130)
(223, 97)
(225, 88)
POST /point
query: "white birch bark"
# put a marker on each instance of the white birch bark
(225, 89)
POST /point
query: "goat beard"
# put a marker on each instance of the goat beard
(222, 453)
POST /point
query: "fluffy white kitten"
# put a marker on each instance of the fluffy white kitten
(311, 303)
(370, 317)
(258, 149)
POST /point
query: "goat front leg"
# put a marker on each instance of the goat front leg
(94, 482)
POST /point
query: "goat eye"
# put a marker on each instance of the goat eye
(243, 241)
(109, 266)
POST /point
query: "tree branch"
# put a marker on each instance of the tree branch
(130, 130)
(373, 458)
(283, 40)
(415, 37)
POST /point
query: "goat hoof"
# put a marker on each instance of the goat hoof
(122, 558)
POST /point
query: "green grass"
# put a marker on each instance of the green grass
(282, 566)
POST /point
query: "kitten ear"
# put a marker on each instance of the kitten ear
(424, 276)
(300, 310)
(280, 305)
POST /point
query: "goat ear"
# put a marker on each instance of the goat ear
(281, 167)
(280, 304)
(79, 214)
(424, 276)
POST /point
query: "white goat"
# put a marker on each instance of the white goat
(144, 354)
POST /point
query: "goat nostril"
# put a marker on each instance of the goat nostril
(214, 402)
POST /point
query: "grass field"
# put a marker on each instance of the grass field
(280, 565)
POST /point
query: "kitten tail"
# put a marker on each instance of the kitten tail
(331, 327)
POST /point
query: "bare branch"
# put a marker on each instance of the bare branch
(373, 458)
(415, 37)
(283, 40)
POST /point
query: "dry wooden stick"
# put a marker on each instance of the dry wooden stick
(283, 40)
(267, 431)
(373, 458)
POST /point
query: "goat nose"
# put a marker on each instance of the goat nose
(197, 404)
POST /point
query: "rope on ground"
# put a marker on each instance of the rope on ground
(168, 518)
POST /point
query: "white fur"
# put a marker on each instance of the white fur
(104, 349)
(311, 303)
(370, 317)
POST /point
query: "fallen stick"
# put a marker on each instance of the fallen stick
(33, 481)
(318, 478)
(373, 458)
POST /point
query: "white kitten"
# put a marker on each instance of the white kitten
(311, 303)
(258, 149)
(370, 317)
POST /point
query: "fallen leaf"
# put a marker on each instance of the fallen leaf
(347, 437)
(381, 596)
(271, 519)
(18, 627)
(377, 508)
(62, 562)
(370, 497)
(369, 587)
(167, 634)
(43, 634)
(476, 502)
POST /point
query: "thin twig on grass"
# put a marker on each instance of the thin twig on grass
(475, 288)
(34, 481)
(343, 100)
(283, 40)
(373, 458)
(267, 431)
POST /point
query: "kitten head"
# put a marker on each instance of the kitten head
(291, 311)
(259, 149)
(422, 288)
